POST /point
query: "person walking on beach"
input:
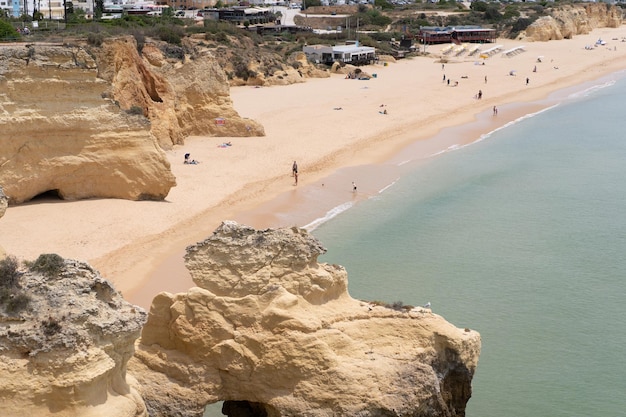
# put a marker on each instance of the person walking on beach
(444, 78)
(480, 94)
(353, 187)
(527, 80)
(294, 170)
(495, 111)
(485, 79)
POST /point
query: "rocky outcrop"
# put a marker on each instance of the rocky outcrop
(4, 203)
(65, 339)
(248, 66)
(181, 93)
(270, 331)
(59, 134)
(567, 21)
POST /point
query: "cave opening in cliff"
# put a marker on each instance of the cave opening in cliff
(47, 196)
(244, 409)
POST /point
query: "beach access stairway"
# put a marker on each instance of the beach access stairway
(513, 51)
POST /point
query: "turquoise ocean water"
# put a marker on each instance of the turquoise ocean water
(522, 237)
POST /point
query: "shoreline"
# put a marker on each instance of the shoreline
(139, 245)
(288, 209)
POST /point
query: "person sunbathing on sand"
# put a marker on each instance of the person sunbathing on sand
(188, 160)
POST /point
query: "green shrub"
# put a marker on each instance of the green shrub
(241, 69)
(135, 110)
(7, 31)
(9, 274)
(51, 326)
(396, 305)
(17, 302)
(49, 264)
(173, 51)
(171, 34)
(5, 295)
(140, 38)
(95, 39)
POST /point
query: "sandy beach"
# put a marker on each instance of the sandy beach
(326, 125)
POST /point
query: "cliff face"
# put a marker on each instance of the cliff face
(245, 63)
(181, 97)
(272, 330)
(570, 20)
(84, 121)
(61, 135)
(4, 203)
(64, 351)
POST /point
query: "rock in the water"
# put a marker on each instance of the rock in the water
(270, 331)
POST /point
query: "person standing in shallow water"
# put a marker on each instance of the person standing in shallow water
(353, 187)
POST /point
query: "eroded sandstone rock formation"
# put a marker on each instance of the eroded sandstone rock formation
(181, 97)
(87, 121)
(60, 135)
(568, 20)
(65, 339)
(4, 203)
(272, 330)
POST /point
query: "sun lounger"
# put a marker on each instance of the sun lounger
(513, 51)
(492, 51)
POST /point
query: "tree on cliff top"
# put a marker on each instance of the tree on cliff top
(7, 31)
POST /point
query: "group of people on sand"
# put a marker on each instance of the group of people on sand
(190, 161)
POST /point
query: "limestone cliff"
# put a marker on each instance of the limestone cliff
(566, 21)
(65, 339)
(4, 202)
(182, 93)
(248, 66)
(92, 121)
(272, 330)
(59, 134)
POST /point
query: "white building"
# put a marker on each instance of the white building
(348, 54)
